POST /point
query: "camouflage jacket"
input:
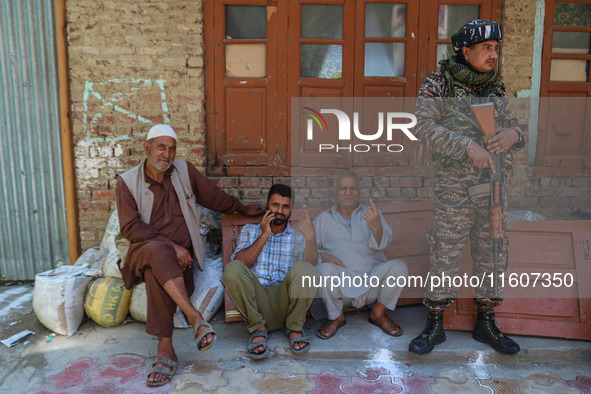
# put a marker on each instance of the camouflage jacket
(446, 124)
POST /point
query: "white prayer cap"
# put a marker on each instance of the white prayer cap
(161, 130)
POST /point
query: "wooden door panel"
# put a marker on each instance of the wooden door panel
(302, 86)
(563, 120)
(383, 91)
(243, 112)
(536, 247)
(393, 86)
(245, 115)
(309, 91)
(559, 309)
(307, 154)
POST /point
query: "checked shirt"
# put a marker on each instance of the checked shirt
(279, 253)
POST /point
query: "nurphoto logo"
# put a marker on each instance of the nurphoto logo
(386, 121)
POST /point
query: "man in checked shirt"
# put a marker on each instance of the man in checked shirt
(265, 277)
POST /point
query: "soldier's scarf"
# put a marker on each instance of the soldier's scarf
(484, 82)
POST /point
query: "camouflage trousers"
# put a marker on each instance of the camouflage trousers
(458, 218)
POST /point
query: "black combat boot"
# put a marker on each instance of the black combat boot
(432, 335)
(487, 331)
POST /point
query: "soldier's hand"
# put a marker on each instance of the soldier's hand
(504, 140)
(329, 258)
(480, 157)
(183, 257)
(306, 227)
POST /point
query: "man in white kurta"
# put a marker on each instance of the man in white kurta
(351, 239)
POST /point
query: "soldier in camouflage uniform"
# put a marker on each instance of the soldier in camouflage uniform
(462, 161)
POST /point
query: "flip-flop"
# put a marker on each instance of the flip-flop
(198, 338)
(168, 371)
(319, 335)
(253, 345)
(303, 339)
(376, 323)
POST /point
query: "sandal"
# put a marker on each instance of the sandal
(329, 326)
(386, 324)
(168, 371)
(253, 345)
(303, 339)
(198, 338)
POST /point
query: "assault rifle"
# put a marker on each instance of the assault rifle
(484, 114)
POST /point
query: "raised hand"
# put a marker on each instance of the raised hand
(372, 217)
(306, 227)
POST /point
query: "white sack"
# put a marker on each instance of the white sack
(58, 300)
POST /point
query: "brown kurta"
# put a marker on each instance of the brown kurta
(151, 256)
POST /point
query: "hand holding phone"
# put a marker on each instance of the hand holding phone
(267, 221)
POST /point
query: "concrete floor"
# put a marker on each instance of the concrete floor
(359, 359)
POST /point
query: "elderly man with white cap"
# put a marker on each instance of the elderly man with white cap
(157, 203)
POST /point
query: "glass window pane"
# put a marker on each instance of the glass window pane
(322, 61)
(246, 60)
(573, 14)
(569, 70)
(453, 17)
(322, 21)
(385, 20)
(571, 42)
(384, 59)
(444, 52)
(246, 21)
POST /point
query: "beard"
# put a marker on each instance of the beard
(160, 165)
(280, 221)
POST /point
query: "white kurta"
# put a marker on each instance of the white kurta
(361, 254)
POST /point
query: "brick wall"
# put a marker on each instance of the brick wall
(518, 44)
(564, 194)
(137, 63)
(132, 64)
(318, 191)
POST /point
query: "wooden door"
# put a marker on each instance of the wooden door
(245, 113)
(386, 50)
(320, 64)
(564, 136)
(263, 53)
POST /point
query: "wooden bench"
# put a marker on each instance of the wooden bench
(408, 219)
